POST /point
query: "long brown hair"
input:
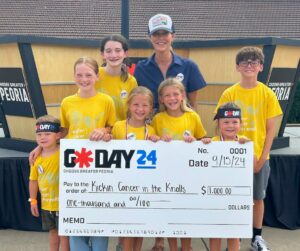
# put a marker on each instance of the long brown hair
(122, 40)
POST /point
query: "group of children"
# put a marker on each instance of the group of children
(125, 112)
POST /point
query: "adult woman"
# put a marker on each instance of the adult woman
(164, 63)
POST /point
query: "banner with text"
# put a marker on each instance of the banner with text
(13, 93)
(282, 84)
(141, 188)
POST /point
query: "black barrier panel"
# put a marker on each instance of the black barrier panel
(283, 82)
(13, 93)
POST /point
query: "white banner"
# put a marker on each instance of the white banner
(141, 188)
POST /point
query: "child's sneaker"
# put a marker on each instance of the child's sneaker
(259, 244)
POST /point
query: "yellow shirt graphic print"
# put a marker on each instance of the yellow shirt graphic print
(46, 171)
(83, 124)
(177, 127)
(82, 115)
(257, 104)
(117, 90)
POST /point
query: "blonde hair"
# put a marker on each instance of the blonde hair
(87, 61)
(177, 84)
(140, 90)
(48, 118)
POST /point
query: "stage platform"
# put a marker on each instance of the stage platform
(5, 153)
(282, 201)
(294, 134)
(283, 194)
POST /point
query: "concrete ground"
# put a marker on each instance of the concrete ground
(277, 239)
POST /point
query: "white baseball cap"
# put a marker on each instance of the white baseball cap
(160, 22)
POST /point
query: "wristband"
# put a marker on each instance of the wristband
(32, 201)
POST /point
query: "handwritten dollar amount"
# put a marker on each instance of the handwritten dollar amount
(139, 202)
(226, 190)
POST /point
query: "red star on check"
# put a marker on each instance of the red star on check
(83, 158)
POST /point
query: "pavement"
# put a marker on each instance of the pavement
(277, 239)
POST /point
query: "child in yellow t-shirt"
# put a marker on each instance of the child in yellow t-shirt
(228, 125)
(261, 110)
(114, 79)
(44, 177)
(87, 115)
(140, 102)
(176, 121)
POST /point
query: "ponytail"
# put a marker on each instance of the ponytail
(124, 72)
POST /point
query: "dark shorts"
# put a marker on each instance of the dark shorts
(49, 220)
(260, 182)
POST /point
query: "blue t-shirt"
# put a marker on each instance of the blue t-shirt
(148, 74)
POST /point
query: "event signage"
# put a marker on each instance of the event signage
(13, 93)
(141, 188)
(281, 82)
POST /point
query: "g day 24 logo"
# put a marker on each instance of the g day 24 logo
(103, 158)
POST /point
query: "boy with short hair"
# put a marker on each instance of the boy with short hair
(44, 176)
(260, 109)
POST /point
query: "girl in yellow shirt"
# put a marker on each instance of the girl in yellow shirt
(87, 115)
(176, 121)
(140, 102)
(114, 79)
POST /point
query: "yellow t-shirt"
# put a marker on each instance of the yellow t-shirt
(117, 89)
(187, 124)
(257, 104)
(218, 138)
(82, 115)
(46, 171)
(119, 131)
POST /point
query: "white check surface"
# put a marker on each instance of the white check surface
(140, 188)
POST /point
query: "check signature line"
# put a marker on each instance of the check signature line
(115, 223)
(208, 224)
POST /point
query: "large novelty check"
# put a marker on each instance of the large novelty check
(140, 188)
